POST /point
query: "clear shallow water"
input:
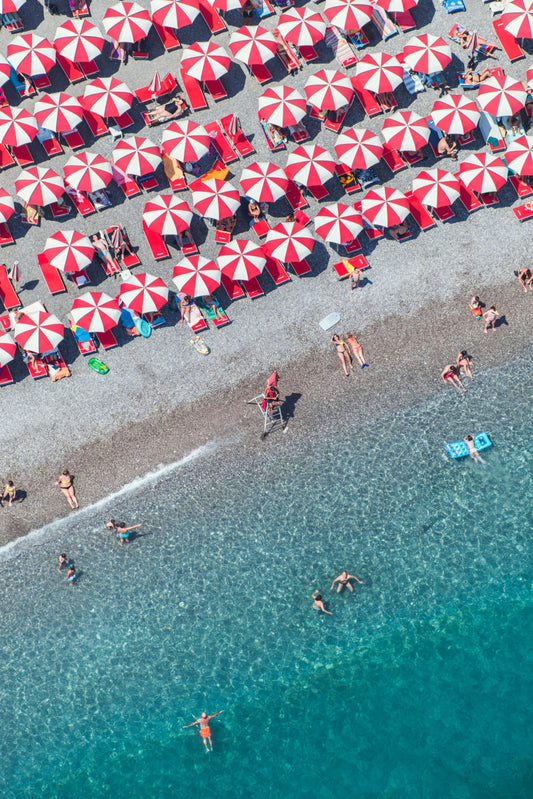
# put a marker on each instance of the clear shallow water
(419, 685)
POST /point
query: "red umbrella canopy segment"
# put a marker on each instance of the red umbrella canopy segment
(301, 26)
(348, 14)
(329, 90)
(59, 112)
(39, 186)
(241, 259)
(196, 276)
(379, 72)
(406, 131)
(436, 187)
(338, 223)
(385, 206)
(5, 70)
(88, 171)
(108, 97)
(427, 53)
(455, 114)
(39, 332)
(310, 164)
(78, 40)
(215, 199)
(17, 126)
(205, 61)
(95, 312)
(68, 250)
(137, 156)
(144, 293)
(517, 19)
(186, 140)
(519, 155)
(282, 106)
(263, 181)
(288, 242)
(358, 148)
(31, 54)
(501, 96)
(10, 6)
(253, 45)
(167, 215)
(127, 22)
(483, 172)
(8, 348)
(397, 6)
(174, 13)
(7, 206)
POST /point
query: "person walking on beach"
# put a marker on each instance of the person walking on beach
(472, 451)
(490, 317)
(123, 532)
(343, 580)
(343, 353)
(356, 349)
(449, 375)
(10, 492)
(318, 603)
(205, 730)
(64, 481)
(463, 363)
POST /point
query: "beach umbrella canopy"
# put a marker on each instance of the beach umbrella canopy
(310, 164)
(282, 105)
(253, 45)
(39, 185)
(31, 54)
(17, 126)
(136, 155)
(288, 242)
(436, 187)
(7, 205)
(517, 19)
(338, 223)
(397, 6)
(108, 97)
(8, 348)
(78, 40)
(301, 26)
(348, 14)
(39, 331)
(385, 206)
(58, 112)
(174, 13)
(215, 199)
(144, 293)
(427, 53)
(95, 311)
(227, 5)
(405, 131)
(501, 96)
(263, 181)
(88, 171)
(455, 114)
(196, 276)
(329, 90)
(127, 22)
(241, 259)
(5, 70)
(379, 72)
(205, 61)
(358, 148)
(167, 215)
(483, 172)
(519, 155)
(10, 6)
(186, 140)
(68, 250)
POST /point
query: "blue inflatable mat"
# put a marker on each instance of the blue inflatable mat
(458, 449)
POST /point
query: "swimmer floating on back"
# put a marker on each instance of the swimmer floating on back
(205, 730)
(472, 451)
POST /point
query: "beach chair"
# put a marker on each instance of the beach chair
(489, 198)
(167, 36)
(286, 54)
(271, 145)
(147, 182)
(22, 155)
(90, 69)
(216, 90)
(521, 186)
(294, 196)
(6, 159)
(5, 322)
(220, 144)
(124, 121)
(95, 123)
(345, 267)
(6, 237)
(454, 35)
(60, 210)
(299, 134)
(370, 105)
(383, 23)
(52, 147)
(107, 340)
(84, 340)
(129, 260)
(194, 92)
(260, 228)
(196, 322)
(5, 376)
(83, 10)
(510, 46)
(222, 236)
(308, 53)
(404, 20)
(212, 19)
(469, 199)
(232, 128)
(73, 139)
(276, 270)
(80, 201)
(352, 247)
(8, 295)
(233, 289)
(157, 245)
(344, 53)
(128, 184)
(300, 268)
(37, 369)
(393, 158)
(12, 22)
(80, 278)
(373, 233)
(336, 123)
(51, 276)
(208, 311)
(318, 192)
(444, 213)
(252, 288)
(261, 73)
(72, 72)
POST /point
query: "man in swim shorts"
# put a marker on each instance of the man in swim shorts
(64, 561)
(205, 730)
(344, 580)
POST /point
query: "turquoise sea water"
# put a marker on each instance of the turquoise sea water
(419, 685)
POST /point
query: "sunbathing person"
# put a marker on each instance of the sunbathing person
(298, 128)
(102, 248)
(449, 375)
(227, 225)
(32, 212)
(526, 278)
(463, 363)
(174, 108)
(336, 116)
(185, 307)
(29, 85)
(471, 78)
(254, 211)
(188, 236)
(212, 304)
(463, 37)
(120, 49)
(343, 352)
(100, 198)
(356, 349)
(514, 122)
(397, 231)
(276, 134)
(386, 100)
(120, 242)
(447, 146)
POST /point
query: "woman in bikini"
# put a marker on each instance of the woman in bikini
(10, 492)
(343, 352)
(463, 363)
(472, 78)
(185, 306)
(490, 317)
(356, 349)
(64, 481)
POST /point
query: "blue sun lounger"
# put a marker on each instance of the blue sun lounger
(458, 449)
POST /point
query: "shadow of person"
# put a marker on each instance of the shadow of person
(21, 495)
(501, 321)
(289, 405)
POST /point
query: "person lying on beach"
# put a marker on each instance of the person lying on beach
(343, 352)
(397, 231)
(119, 49)
(102, 248)
(526, 278)
(205, 730)
(449, 375)
(318, 603)
(463, 363)
(254, 211)
(276, 134)
(10, 492)
(472, 451)
(174, 108)
(386, 100)
(447, 146)
(123, 532)
(356, 349)
(185, 308)
(64, 561)
(471, 78)
(490, 317)
(29, 357)
(211, 303)
(343, 580)
(64, 481)
(120, 243)
(514, 122)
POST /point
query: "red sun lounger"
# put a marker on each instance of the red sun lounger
(261, 73)
(52, 277)
(89, 68)
(523, 212)
(38, 369)
(444, 213)
(260, 228)
(347, 179)
(276, 270)
(404, 20)
(5, 376)
(8, 295)
(343, 270)
(393, 159)
(168, 37)
(156, 243)
(371, 107)
(6, 237)
(194, 92)
(72, 71)
(22, 155)
(212, 19)
(469, 199)
(237, 139)
(300, 268)
(107, 340)
(73, 139)
(217, 321)
(233, 289)
(80, 200)
(294, 196)
(216, 90)
(220, 143)
(252, 288)
(96, 124)
(510, 46)
(352, 247)
(420, 214)
(6, 159)
(522, 187)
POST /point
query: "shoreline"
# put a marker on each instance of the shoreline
(405, 354)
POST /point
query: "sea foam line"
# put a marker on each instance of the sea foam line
(162, 471)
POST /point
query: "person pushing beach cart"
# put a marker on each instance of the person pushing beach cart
(269, 403)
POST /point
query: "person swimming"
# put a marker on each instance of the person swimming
(205, 729)
(318, 603)
(472, 451)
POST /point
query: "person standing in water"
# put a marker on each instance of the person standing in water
(318, 603)
(64, 561)
(205, 729)
(71, 574)
(344, 580)
(123, 532)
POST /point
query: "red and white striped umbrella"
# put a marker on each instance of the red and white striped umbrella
(501, 96)
(227, 5)
(174, 13)
(39, 331)
(8, 348)
(78, 40)
(348, 14)
(5, 70)
(58, 112)
(282, 106)
(289, 242)
(186, 140)
(196, 276)
(144, 293)
(329, 90)
(205, 61)
(10, 6)
(301, 26)
(263, 181)
(406, 131)
(88, 171)
(517, 19)
(7, 205)
(95, 311)
(39, 186)
(455, 114)
(310, 165)
(379, 72)
(108, 97)
(215, 199)
(358, 148)
(519, 155)
(436, 187)
(68, 250)
(427, 53)
(483, 172)
(397, 6)
(338, 223)
(167, 215)
(31, 54)
(137, 156)
(126, 22)
(385, 206)
(253, 45)
(241, 259)
(17, 126)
